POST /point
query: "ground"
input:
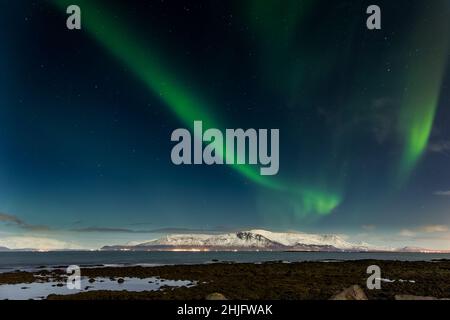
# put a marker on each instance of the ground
(267, 281)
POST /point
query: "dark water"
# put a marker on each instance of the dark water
(32, 260)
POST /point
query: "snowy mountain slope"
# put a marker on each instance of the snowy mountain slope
(238, 239)
(247, 240)
(292, 239)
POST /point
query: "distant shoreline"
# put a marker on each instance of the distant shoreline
(34, 261)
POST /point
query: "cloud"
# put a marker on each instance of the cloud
(420, 232)
(40, 243)
(160, 230)
(442, 193)
(193, 230)
(140, 223)
(434, 229)
(369, 227)
(11, 219)
(407, 233)
(441, 146)
(382, 119)
(108, 230)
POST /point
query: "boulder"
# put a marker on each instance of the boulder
(353, 293)
(215, 296)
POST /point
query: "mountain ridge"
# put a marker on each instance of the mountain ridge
(251, 240)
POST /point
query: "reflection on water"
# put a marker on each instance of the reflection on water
(40, 290)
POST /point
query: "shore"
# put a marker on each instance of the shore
(265, 281)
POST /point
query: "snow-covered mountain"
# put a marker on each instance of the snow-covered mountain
(246, 240)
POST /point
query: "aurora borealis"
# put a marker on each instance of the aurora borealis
(423, 86)
(86, 116)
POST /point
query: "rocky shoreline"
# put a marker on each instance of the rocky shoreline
(265, 281)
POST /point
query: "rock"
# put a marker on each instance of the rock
(59, 284)
(410, 297)
(215, 296)
(353, 293)
(120, 280)
(91, 280)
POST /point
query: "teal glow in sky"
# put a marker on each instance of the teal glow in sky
(86, 117)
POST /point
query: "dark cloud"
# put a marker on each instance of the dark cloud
(442, 146)
(159, 230)
(109, 230)
(188, 230)
(140, 224)
(382, 118)
(442, 193)
(13, 220)
(369, 227)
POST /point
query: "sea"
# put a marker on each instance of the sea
(31, 261)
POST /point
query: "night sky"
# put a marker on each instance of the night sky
(86, 118)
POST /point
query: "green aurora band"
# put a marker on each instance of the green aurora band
(423, 85)
(148, 66)
(416, 113)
